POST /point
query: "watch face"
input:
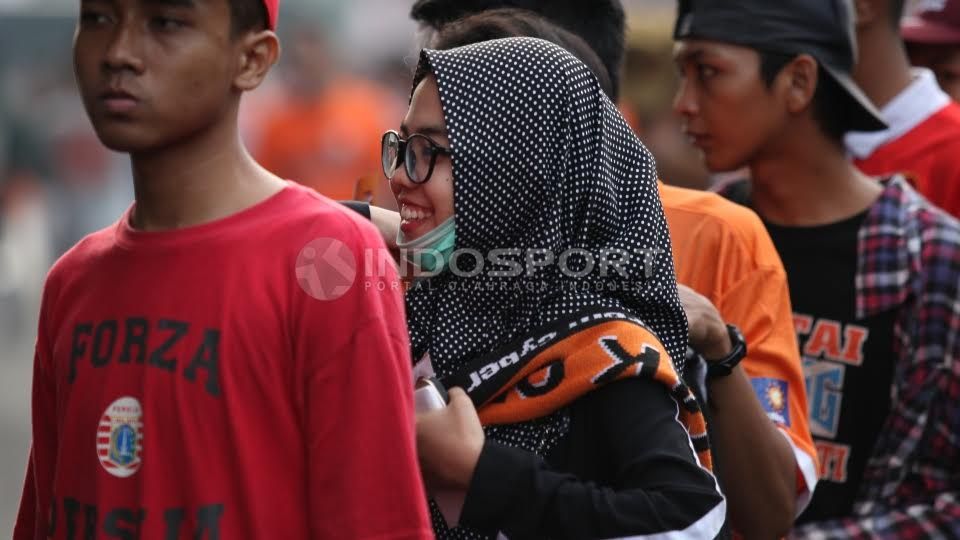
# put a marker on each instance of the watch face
(739, 343)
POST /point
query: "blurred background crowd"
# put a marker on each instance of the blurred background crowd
(344, 79)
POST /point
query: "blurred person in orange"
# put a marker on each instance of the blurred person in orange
(325, 130)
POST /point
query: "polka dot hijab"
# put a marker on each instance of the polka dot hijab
(557, 211)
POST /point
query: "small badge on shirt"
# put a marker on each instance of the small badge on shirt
(120, 437)
(772, 394)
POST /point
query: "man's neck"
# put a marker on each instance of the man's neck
(202, 178)
(883, 69)
(809, 182)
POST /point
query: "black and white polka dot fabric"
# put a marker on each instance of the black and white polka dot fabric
(546, 174)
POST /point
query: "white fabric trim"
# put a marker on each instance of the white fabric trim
(706, 527)
(808, 470)
(918, 102)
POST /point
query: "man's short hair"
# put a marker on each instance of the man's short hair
(247, 15)
(510, 22)
(600, 23)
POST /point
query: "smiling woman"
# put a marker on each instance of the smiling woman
(424, 203)
(427, 226)
(564, 402)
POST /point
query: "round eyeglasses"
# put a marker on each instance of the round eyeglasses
(419, 155)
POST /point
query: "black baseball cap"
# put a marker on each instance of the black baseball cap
(821, 28)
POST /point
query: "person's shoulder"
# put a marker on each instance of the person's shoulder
(939, 134)
(708, 204)
(88, 251)
(938, 227)
(715, 215)
(931, 233)
(310, 213)
(83, 258)
(914, 209)
(948, 116)
(340, 258)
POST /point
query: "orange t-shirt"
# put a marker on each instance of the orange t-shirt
(722, 251)
(331, 141)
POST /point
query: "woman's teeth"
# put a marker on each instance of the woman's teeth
(413, 214)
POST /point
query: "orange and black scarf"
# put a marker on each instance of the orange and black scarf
(558, 363)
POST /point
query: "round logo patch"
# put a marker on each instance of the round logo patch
(120, 437)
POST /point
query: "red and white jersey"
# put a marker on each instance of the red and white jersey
(922, 142)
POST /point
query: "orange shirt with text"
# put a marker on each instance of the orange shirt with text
(722, 251)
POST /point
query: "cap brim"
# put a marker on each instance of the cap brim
(917, 30)
(860, 113)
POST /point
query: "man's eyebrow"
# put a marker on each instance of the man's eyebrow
(173, 3)
(689, 55)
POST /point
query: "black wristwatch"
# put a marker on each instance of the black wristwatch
(724, 366)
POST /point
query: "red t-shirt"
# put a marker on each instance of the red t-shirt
(246, 378)
(928, 155)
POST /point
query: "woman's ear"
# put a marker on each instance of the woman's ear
(258, 51)
(800, 77)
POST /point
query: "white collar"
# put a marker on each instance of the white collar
(916, 103)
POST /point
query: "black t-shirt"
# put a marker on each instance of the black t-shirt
(847, 362)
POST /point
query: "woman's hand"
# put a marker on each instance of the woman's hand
(388, 223)
(449, 442)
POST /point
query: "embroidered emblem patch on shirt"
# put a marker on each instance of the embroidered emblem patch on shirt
(772, 394)
(120, 437)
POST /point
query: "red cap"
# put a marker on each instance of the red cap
(273, 8)
(933, 22)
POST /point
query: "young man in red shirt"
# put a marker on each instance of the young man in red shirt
(220, 363)
(923, 137)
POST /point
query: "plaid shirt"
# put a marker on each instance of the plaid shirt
(910, 261)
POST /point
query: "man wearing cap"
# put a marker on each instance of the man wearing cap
(922, 139)
(872, 266)
(932, 34)
(217, 363)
